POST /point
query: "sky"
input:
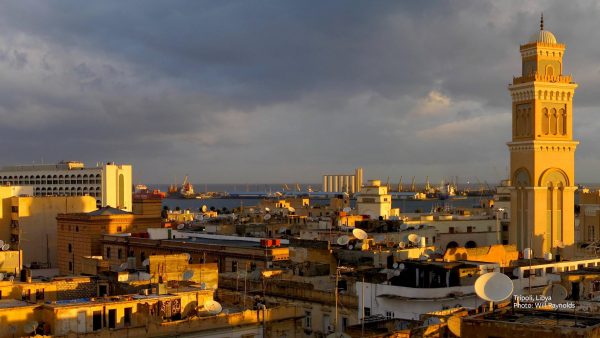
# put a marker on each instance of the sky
(256, 91)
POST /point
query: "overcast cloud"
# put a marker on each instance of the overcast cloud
(281, 91)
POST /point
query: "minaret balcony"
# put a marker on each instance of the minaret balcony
(543, 78)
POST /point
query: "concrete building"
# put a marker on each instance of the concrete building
(375, 201)
(589, 216)
(343, 183)
(542, 150)
(110, 184)
(80, 235)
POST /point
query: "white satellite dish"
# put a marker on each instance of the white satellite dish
(146, 262)
(144, 276)
(180, 226)
(347, 209)
(395, 265)
(188, 274)
(413, 238)
(204, 208)
(548, 256)
(291, 209)
(556, 292)
(267, 217)
(267, 209)
(188, 256)
(5, 247)
(11, 278)
(402, 245)
(494, 287)
(252, 210)
(360, 234)
(403, 226)
(1, 276)
(396, 272)
(401, 266)
(527, 253)
(213, 307)
(423, 257)
(1, 243)
(122, 267)
(343, 240)
(30, 327)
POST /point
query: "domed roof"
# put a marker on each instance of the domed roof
(543, 36)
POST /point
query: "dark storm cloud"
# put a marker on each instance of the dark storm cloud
(252, 91)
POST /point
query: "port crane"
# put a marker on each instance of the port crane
(412, 185)
(400, 187)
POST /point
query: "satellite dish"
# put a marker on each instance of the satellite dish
(252, 210)
(267, 217)
(343, 240)
(1, 243)
(396, 272)
(122, 267)
(423, 257)
(11, 278)
(1, 276)
(267, 209)
(401, 266)
(188, 274)
(516, 272)
(395, 265)
(350, 247)
(413, 238)
(347, 209)
(180, 226)
(5, 247)
(146, 262)
(454, 325)
(429, 252)
(548, 256)
(439, 251)
(213, 307)
(144, 276)
(188, 256)
(30, 327)
(402, 245)
(527, 253)
(556, 292)
(403, 226)
(494, 287)
(360, 234)
(202, 286)
(204, 208)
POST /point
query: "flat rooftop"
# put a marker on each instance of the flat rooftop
(540, 318)
(218, 242)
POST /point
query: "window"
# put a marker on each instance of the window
(307, 320)
(367, 311)
(143, 256)
(70, 248)
(70, 266)
(107, 253)
(112, 318)
(451, 230)
(127, 318)
(77, 228)
(344, 323)
(26, 295)
(233, 266)
(389, 314)
(39, 294)
(119, 253)
(0, 294)
(14, 208)
(97, 320)
(119, 229)
(596, 286)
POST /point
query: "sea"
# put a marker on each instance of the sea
(406, 206)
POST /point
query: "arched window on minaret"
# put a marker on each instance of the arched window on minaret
(553, 121)
(549, 71)
(563, 118)
(545, 121)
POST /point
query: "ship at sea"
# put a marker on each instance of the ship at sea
(141, 191)
(186, 190)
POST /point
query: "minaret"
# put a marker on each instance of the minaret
(542, 150)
